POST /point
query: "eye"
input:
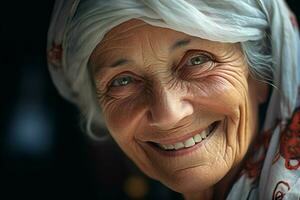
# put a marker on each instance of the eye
(122, 81)
(198, 59)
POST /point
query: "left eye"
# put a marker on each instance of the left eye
(198, 59)
(121, 81)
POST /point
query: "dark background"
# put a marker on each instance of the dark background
(44, 155)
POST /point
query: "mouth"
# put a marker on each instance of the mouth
(190, 142)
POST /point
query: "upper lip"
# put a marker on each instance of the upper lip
(181, 138)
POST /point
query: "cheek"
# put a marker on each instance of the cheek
(123, 121)
(221, 92)
(122, 115)
(226, 93)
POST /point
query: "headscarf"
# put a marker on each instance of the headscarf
(78, 26)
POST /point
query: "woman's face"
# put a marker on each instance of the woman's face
(184, 109)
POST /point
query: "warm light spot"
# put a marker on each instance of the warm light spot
(136, 187)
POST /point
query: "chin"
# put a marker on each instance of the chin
(193, 180)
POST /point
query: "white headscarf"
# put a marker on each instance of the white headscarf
(78, 26)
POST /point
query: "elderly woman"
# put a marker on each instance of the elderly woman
(201, 95)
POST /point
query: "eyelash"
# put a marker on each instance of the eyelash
(120, 79)
(195, 54)
(192, 54)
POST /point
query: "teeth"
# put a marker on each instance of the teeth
(203, 134)
(178, 145)
(189, 142)
(170, 146)
(166, 146)
(197, 138)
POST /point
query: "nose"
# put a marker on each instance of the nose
(169, 107)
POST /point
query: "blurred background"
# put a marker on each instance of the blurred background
(44, 154)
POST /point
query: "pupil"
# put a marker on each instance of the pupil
(197, 60)
(124, 81)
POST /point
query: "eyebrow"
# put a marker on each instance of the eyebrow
(176, 45)
(121, 61)
(180, 43)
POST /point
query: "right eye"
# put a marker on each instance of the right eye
(121, 81)
(198, 59)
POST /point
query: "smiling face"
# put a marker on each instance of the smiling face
(184, 109)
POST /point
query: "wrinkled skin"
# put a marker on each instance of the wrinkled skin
(158, 93)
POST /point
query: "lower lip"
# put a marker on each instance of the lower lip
(184, 151)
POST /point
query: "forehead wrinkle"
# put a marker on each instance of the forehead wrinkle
(231, 53)
(135, 26)
(159, 51)
(152, 54)
(108, 50)
(101, 56)
(118, 39)
(118, 32)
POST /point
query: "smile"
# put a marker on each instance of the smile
(190, 142)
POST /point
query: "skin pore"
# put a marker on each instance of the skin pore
(159, 86)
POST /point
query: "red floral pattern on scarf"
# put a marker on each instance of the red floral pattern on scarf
(55, 55)
(290, 142)
(254, 163)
